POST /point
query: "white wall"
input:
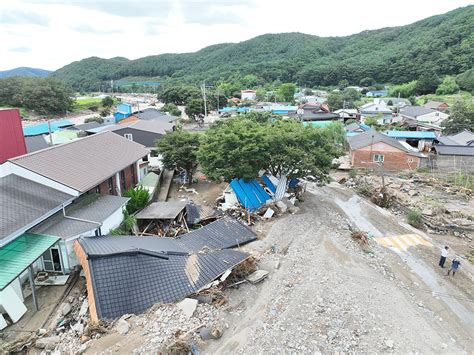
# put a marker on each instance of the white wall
(433, 117)
(8, 168)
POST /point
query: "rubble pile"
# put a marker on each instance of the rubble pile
(444, 207)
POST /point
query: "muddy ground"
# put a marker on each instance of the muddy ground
(324, 293)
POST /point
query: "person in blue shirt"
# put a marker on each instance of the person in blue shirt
(454, 266)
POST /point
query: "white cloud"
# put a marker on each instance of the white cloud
(58, 32)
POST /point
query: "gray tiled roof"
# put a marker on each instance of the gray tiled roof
(130, 274)
(197, 213)
(153, 126)
(162, 210)
(371, 137)
(23, 202)
(87, 126)
(94, 208)
(415, 111)
(454, 150)
(154, 114)
(84, 163)
(34, 143)
(133, 282)
(221, 234)
(461, 138)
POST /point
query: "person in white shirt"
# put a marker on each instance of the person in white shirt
(444, 255)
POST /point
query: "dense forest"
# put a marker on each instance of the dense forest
(443, 44)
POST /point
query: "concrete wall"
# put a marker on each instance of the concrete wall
(394, 159)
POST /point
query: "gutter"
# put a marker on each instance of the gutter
(80, 219)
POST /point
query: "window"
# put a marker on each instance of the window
(111, 186)
(97, 189)
(410, 160)
(378, 158)
(122, 180)
(129, 136)
(134, 181)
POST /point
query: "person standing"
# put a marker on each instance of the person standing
(444, 255)
(454, 266)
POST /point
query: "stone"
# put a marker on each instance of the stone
(257, 276)
(427, 212)
(66, 309)
(389, 343)
(204, 299)
(188, 306)
(84, 308)
(47, 343)
(281, 206)
(78, 327)
(123, 327)
(85, 338)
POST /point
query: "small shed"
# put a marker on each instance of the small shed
(163, 218)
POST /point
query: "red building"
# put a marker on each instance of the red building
(12, 141)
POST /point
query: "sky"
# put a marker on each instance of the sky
(49, 34)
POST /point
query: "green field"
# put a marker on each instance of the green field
(85, 103)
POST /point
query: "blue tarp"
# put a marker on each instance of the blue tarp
(43, 128)
(244, 109)
(269, 184)
(411, 134)
(228, 109)
(250, 194)
(293, 183)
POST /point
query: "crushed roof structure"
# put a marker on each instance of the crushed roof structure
(34, 143)
(462, 138)
(130, 274)
(88, 213)
(83, 163)
(162, 210)
(250, 194)
(24, 203)
(198, 213)
(442, 149)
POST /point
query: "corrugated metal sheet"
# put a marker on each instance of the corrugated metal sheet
(12, 142)
(43, 128)
(281, 188)
(269, 184)
(251, 195)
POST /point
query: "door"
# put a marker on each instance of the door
(52, 260)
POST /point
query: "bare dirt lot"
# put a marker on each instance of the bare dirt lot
(324, 292)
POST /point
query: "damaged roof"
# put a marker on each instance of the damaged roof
(162, 210)
(197, 213)
(130, 274)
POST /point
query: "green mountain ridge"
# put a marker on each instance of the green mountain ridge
(443, 44)
(24, 71)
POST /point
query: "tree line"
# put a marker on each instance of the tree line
(44, 96)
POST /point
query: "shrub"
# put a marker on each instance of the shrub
(94, 119)
(414, 218)
(139, 197)
(352, 173)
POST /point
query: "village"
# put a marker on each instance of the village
(114, 239)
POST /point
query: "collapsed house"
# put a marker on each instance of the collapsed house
(129, 274)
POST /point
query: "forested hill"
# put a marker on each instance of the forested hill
(443, 44)
(24, 71)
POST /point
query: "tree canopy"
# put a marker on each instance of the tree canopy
(44, 96)
(460, 118)
(242, 146)
(179, 151)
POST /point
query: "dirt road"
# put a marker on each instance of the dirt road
(329, 295)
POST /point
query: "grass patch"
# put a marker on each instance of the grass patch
(414, 218)
(87, 103)
(462, 179)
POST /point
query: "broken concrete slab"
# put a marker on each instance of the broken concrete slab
(66, 308)
(188, 306)
(257, 276)
(281, 206)
(47, 343)
(84, 308)
(122, 326)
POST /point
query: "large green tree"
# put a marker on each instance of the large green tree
(427, 83)
(286, 92)
(448, 86)
(179, 151)
(461, 118)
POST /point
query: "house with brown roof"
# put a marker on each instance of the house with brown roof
(436, 105)
(104, 163)
(371, 150)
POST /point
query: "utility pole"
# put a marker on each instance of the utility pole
(50, 132)
(204, 98)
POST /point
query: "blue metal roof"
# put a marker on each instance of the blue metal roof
(352, 134)
(411, 134)
(250, 194)
(124, 108)
(43, 128)
(228, 109)
(244, 109)
(269, 184)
